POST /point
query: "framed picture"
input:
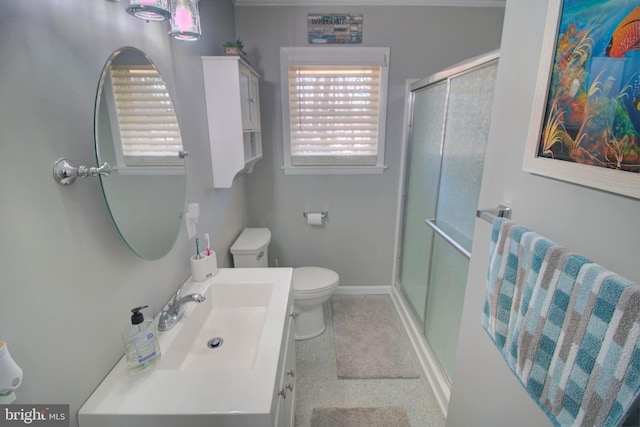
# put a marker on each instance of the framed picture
(585, 123)
(334, 28)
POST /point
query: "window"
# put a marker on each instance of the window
(334, 109)
(146, 126)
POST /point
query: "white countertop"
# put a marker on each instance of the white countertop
(156, 396)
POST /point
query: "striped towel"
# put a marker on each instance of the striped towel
(569, 329)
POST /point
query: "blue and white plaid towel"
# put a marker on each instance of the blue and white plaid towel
(569, 329)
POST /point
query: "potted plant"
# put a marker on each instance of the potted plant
(234, 48)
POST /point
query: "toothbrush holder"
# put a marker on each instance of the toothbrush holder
(204, 268)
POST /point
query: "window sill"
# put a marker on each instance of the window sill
(334, 170)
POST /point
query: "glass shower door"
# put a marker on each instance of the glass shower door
(468, 118)
(450, 126)
(421, 192)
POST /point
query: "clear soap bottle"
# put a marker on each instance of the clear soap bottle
(140, 339)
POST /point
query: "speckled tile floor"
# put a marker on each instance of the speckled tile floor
(318, 385)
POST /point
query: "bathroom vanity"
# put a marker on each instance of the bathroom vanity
(230, 361)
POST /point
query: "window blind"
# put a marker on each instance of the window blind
(334, 112)
(149, 131)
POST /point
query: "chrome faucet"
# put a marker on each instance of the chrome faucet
(174, 312)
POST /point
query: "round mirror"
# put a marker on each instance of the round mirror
(137, 133)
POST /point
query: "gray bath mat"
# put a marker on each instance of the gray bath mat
(393, 416)
(369, 340)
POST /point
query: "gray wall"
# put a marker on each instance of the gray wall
(358, 239)
(67, 280)
(599, 225)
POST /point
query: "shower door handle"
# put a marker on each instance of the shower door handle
(432, 223)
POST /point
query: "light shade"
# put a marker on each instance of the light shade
(185, 20)
(149, 10)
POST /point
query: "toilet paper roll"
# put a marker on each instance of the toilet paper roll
(314, 218)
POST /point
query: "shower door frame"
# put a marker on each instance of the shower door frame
(435, 373)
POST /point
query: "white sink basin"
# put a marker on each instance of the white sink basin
(236, 313)
(194, 385)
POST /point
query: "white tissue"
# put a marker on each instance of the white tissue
(314, 218)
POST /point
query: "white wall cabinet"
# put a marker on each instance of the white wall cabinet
(233, 116)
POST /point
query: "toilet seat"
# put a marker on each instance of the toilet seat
(309, 280)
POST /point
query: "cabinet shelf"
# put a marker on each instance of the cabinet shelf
(233, 117)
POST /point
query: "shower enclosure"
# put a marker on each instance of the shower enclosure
(448, 128)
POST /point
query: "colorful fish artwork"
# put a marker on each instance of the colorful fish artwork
(592, 111)
(626, 37)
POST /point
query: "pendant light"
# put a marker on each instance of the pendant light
(149, 10)
(185, 20)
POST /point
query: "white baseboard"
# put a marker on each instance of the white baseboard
(362, 290)
(439, 383)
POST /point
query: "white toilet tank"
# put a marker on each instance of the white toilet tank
(251, 248)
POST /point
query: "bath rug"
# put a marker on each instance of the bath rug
(369, 340)
(393, 416)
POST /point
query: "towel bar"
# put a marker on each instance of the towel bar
(502, 211)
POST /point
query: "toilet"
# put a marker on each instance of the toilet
(312, 286)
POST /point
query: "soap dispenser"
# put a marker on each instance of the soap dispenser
(140, 341)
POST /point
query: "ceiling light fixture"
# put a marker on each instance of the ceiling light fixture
(182, 14)
(185, 20)
(149, 10)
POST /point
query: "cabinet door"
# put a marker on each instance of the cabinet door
(249, 99)
(245, 97)
(286, 404)
(254, 102)
(290, 376)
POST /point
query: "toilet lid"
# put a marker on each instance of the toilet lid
(250, 241)
(313, 279)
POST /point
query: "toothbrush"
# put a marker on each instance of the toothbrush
(197, 249)
(206, 236)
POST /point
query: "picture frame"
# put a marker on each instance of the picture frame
(585, 120)
(334, 28)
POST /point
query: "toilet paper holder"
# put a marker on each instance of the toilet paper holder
(323, 214)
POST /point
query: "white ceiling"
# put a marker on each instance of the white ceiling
(457, 3)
